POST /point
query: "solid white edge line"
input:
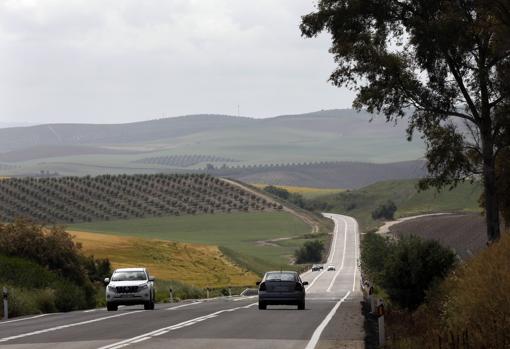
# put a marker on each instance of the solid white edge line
(343, 255)
(318, 331)
(61, 327)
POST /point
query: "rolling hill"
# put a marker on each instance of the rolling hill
(145, 147)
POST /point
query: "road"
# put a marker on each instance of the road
(332, 318)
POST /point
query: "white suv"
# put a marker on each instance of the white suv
(130, 286)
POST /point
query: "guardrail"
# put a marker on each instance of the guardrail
(376, 307)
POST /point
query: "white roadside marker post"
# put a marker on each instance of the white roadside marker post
(6, 303)
(230, 292)
(380, 314)
(371, 297)
(171, 292)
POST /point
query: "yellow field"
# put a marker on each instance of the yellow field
(195, 264)
(307, 192)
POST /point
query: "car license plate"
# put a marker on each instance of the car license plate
(281, 289)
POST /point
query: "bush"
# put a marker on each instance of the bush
(413, 266)
(69, 296)
(385, 211)
(405, 268)
(310, 252)
(277, 191)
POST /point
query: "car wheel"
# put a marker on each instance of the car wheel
(262, 306)
(148, 305)
(301, 306)
(111, 307)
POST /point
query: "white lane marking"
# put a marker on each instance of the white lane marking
(165, 330)
(52, 329)
(183, 305)
(331, 255)
(243, 298)
(318, 331)
(26, 318)
(343, 256)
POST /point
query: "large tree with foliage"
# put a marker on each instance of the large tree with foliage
(442, 64)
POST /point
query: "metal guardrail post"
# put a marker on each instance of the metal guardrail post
(171, 293)
(5, 294)
(380, 320)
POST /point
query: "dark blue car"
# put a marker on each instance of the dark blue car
(282, 287)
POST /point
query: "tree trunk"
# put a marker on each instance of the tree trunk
(490, 191)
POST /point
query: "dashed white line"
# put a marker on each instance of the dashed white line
(318, 331)
(52, 329)
(183, 305)
(26, 318)
(343, 256)
(164, 330)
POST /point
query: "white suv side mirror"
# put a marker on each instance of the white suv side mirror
(106, 281)
(151, 278)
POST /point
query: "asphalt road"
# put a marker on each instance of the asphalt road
(332, 318)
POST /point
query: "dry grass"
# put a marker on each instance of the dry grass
(308, 192)
(195, 264)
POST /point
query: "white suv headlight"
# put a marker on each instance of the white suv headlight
(112, 289)
(143, 287)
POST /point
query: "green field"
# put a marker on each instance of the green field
(404, 193)
(242, 236)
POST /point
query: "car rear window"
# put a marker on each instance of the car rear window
(281, 277)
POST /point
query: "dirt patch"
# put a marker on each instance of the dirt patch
(464, 233)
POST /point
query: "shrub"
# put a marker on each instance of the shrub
(411, 267)
(277, 191)
(375, 249)
(386, 210)
(69, 296)
(310, 252)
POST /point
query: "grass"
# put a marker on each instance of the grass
(194, 264)
(307, 192)
(360, 203)
(241, 234)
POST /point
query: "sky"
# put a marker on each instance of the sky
(115, 61)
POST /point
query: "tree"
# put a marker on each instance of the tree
(443, 64)
(386, 210)
(310, 252)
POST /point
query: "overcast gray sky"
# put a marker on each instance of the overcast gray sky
(127, 60)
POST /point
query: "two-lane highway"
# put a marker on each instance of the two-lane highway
(332, 318)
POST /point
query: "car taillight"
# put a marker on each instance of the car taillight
(262, 287)
(298, 287)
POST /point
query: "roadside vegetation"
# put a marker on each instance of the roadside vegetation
(470, 308)
(310, 252)
(45, 270)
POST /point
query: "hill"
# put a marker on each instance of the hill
(346, 175)
(333, 135)
(194, 264)
(85, 199)
(404, 193)
(258, 241)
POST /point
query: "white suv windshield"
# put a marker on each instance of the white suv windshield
(129, 276)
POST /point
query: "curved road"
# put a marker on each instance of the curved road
(332, 318)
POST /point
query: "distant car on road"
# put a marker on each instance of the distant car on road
(317, 267)
(331, 267)
(282, 287)
(130, 286)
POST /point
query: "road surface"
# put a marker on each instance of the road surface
(332, 318)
